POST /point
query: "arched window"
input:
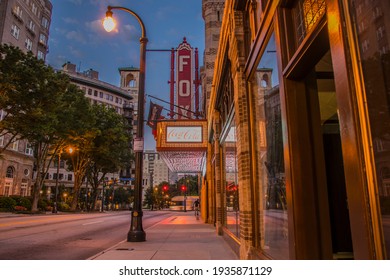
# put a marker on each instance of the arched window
(130, 81)
(10, 172)
(265, 81)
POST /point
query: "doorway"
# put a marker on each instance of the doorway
(324, 95)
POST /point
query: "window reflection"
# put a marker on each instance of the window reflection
(373, 33)
(273, 212)
(307, 14)
(231, 181)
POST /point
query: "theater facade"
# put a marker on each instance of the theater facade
(298, 130)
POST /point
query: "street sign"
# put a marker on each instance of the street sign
(138, 145)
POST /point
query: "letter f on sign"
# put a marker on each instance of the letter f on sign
(182, 62)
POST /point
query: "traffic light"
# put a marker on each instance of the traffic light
(183, 188)
(165, 188)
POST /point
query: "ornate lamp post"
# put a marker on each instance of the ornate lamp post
(136, 232)
(104, 185)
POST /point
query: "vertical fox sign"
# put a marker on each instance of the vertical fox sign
(184, 80)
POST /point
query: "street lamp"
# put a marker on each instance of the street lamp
(104, 184)
(136, 232)
(70, 149)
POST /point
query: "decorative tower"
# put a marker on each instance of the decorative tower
(130, 83)
(212, 12)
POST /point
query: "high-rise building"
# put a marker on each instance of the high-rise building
(25, 24)
(155, 170)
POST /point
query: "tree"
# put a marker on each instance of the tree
(150, 197)
(40, 106)
(10, 78)
(106, 150)
(191, 183)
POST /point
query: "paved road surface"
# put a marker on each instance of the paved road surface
(66, 236)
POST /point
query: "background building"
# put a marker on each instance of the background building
(25, 24)
(155, 170)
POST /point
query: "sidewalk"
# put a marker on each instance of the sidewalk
(179, 237)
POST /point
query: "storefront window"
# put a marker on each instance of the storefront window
(373, 33)
(231, 181)
(272, 189)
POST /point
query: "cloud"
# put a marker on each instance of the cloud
(70, 20)
(106, 3)
(56, 61)
(75, 52)
(130, 32)
(61, 31)
(76, 2)
(76, 36)
(95, 26)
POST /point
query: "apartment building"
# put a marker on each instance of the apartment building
(25, 24)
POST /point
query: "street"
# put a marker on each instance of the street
(66, 236)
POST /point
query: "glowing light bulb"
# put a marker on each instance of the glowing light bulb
(109, 23)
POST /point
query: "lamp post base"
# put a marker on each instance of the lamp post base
(136, 232)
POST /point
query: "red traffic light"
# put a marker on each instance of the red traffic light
(165, 188)
(183, 188)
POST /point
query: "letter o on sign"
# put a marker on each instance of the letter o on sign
(184, 84)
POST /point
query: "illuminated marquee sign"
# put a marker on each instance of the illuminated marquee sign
(180, 134)
(185, 85)
(182, 144)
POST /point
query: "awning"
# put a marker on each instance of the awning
(182, 144)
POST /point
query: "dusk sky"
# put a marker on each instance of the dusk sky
(77, 36)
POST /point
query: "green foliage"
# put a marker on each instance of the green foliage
(112, 142)
(157, 196)
(123, 195)
(7, 203)
(110, 149)
(43, 107)
(191, 183)
(43, 204)
(23, 201)
(149, 198)
(63, 207)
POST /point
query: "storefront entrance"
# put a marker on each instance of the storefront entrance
(325, 129)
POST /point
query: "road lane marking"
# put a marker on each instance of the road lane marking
(91, 223)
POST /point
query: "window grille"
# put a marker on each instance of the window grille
(307, 14)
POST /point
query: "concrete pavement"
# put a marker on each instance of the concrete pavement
(179, 237)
